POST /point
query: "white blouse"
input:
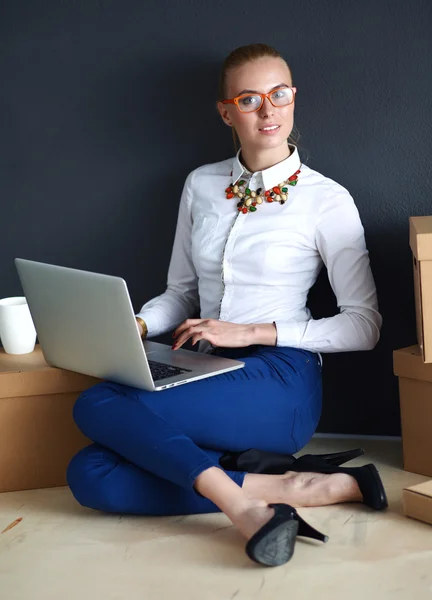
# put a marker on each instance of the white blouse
(258, 267)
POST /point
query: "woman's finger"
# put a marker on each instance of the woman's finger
(183, 338)
(183, 326)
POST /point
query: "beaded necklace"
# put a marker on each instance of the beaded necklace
(249, 199)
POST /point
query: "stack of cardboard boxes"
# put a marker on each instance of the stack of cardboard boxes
(38, 436)
(413, 366)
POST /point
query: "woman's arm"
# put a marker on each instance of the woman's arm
(180, 300)
(340, 241)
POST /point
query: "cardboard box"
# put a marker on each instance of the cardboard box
(417, 501)
(421, 246)
(415, 393)
(38, 436)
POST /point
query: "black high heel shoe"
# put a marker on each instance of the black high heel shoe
(258, 461)
(273, 544)
(367, 478)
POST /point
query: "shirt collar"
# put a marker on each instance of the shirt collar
(273, 175)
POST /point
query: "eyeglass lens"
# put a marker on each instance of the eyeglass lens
(252, 102)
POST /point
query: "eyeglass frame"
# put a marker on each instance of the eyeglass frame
(263, 96)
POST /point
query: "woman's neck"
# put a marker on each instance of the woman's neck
(259, 160)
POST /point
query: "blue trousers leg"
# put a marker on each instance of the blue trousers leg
(150, 447)
(102, 479)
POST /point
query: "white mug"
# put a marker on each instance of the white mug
(17, 331)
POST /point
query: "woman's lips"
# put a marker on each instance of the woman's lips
(270, 129)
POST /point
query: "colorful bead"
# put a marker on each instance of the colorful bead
(259, 190)
(235, 189)
(242, 182)
(254, 203)
(269, 199)
(276, 189)
(248, 202)
(230, 195)
(284, 197)
(284, 189)
(229, 189)
(252, 209)
(248, 192)
(292, 183)
(259, 200)
(292, 178)
(253, 194)
(277, 198)
(244, 210)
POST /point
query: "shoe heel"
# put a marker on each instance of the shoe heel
(306, 530)
(339, 458)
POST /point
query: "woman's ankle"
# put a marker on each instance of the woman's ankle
(217, 486)
(263, 487)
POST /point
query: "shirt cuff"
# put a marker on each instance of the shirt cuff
(289, 333)
(152, 322)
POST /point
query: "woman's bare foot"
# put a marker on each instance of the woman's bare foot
(302, 489)
(247, 506)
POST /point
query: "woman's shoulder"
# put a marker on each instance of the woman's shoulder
(222, 168)
(324, 190)
(322, 183)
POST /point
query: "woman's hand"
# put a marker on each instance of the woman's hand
(223, 334)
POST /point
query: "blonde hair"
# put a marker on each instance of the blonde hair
(239, 57)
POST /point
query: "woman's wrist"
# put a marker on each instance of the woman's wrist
(264, 334)
(142, 327)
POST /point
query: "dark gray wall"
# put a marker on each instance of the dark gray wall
(105, 106)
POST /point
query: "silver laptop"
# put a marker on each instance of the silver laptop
(85, 322)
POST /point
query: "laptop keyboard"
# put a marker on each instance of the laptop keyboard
(161, 370)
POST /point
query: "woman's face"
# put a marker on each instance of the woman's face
(261, 75)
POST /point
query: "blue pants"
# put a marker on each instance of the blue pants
(151, 446)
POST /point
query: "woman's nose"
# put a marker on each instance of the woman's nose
(267, 108)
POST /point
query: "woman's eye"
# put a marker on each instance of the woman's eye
(248, 100)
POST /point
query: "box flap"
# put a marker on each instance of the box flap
(408, 362)
(419, 304)
(425, 277)
(424, 489)
(420, 237)
(29, 375)
(16, 363)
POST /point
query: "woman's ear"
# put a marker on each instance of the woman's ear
(224, 113)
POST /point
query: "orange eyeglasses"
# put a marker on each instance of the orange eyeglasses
(253, 101)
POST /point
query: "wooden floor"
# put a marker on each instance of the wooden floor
(61, 551)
